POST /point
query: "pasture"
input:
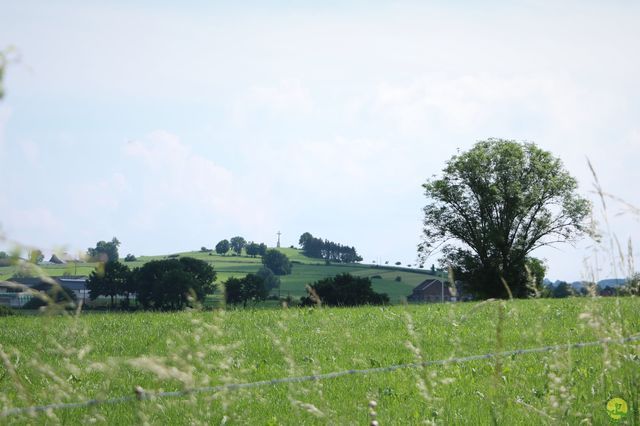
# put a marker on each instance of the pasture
(64, 358)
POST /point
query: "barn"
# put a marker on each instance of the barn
(432, 290)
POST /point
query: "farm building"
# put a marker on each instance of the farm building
(432, 290)
(12, 296)
(15, 296)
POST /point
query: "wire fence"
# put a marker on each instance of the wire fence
(140, 394)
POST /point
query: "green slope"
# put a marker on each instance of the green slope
(305, 271)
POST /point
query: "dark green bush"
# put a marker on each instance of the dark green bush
(6, 311)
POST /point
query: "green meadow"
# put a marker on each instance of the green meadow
(71, 358)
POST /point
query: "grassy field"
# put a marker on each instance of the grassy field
(66, 359)
(305, 271)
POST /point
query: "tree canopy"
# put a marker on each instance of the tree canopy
(109, 279)
(237, 244)
(271, 281)
(169, 284)
(277, 261)
(499, 202)
(104, 251)
(223, 247)
(255, 249)
(251, 288)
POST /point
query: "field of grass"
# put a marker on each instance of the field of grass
(305, 271)
(66, 359)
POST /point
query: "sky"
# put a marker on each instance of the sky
(174, 125)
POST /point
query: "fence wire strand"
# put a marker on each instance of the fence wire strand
(140, 394)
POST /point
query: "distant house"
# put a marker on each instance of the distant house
(55, 259)
(432, 290)
(16, 297)
(77, 284)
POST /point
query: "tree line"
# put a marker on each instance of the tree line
(175, 283)
(236, 244)
(327, 250)
(167, 284)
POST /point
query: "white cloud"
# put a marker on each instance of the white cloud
(288, 97)
(32, 226)
(106, 193)
(174, 173)
(327, 167)
(170, 178)
(469, 102)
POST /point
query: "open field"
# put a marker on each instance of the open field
(67, 359)
(305, 271)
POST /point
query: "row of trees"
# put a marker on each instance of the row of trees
(341, 290)
(236, 244)
(159, 284)
(252, 288)
(328, 250)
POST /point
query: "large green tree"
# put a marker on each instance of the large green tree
(237, 244)
(277, 261)
(497, 203)
(104, 251)
(169, 284)
(251, 288)
(109, 279)
(223, 247)
(271, 281)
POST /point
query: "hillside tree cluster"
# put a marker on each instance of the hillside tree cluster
(327, 250)
(237, 244)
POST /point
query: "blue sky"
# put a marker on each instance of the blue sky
(172, 126)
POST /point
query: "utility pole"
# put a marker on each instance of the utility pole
(279, 233)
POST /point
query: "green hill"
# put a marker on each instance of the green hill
(305, 270)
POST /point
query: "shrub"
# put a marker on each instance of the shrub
(6, 311)
(276, 261)
(130, 258)
(376, 277)
(398, 278)
(271, 281)
(242, 290)
(344, 290)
